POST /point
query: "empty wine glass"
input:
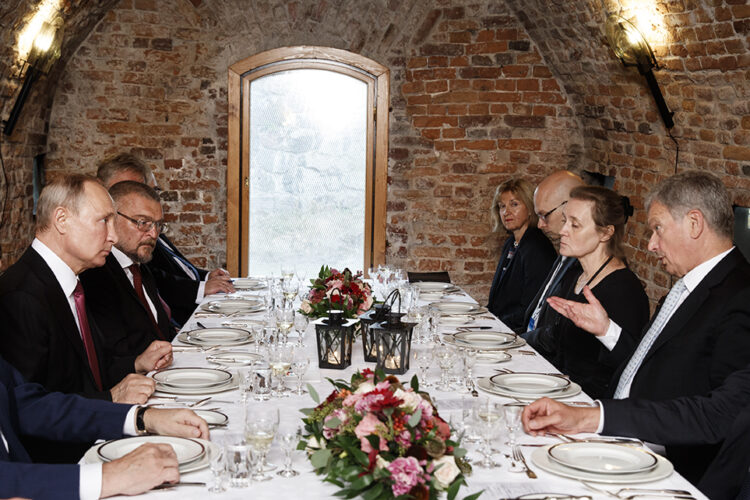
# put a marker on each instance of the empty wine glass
(244, 383)
(261, 424)
(488, 416)
(444, 356)
(300, 326)
(289, 437)
(257, 333)
(423, 358)
(469, 359)
(217, 463)
(512, 412)
(299, 368)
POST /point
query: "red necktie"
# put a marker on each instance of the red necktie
(88, 342)
(138, 285)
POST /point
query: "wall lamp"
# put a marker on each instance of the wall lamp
(45, 50)
(632, 49)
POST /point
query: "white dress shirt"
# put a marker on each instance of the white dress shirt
(126, 262)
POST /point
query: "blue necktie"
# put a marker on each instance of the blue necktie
(186, 263)
(670, 303)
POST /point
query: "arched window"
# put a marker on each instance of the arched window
(307, 161)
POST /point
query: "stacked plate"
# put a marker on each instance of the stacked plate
(233, 358)
(191, 453)
(248, 284)
(602, 462)
(433, 290)
(483, 340)
(529, 386)
(212, 417)
(193, 380)
(212, 337)
(459, 308)
(232, 306)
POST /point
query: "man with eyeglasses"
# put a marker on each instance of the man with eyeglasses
(124, 296)
(49, 333)
(550, 197)
(182, 284)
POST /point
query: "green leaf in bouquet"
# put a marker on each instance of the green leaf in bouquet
(474, 496)
(319, 458)
(333, 423)
(453, 488)
(414, 383)
(459, 452)
(374, 492)
(313, 393)
(415, 418)
(362, 482)
(306, 411)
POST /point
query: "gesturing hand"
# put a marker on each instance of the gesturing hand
(590, 317)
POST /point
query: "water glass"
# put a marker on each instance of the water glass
(299, 368)
(217, 462)
(423, 359)
(469, 360)
(444, 356)
(300, 326)
(284, 321)
(488, 416)
(245, 383)
(289, 438)
(261, 381)
(258, 337)
(512, 412)
(261, 424)
(238, 460)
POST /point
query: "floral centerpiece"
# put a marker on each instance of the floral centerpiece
(375, 438)
(354, 296)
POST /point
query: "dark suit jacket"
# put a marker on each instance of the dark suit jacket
(177, 288)
(729, 472)
(40, 338)
(512, 291)
(707, 339)
(124, 322)
(27, 409)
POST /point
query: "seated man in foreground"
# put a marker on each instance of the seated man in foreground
(27, 409)
(701, 332)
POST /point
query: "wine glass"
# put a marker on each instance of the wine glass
(423, 358)
(487, 415)
(217, 463)
(284, 322)
(469, 359)
(280, 358)
(512, 413)
(300, 326)
(299, 368)
(289, 288)
(244, 383)
(261, 424)
(287, 272)
(290, 436)
(444, 356)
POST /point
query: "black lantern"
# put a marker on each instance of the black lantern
(393, 342)
(369, 318)
(335, 335)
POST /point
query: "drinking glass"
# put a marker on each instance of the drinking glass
(261, 424)
(261, 381)
(423, 358)
(512, 412)
(300, 326)
(488, 416)
(289, 288)
(290, 436)
(257, 333)
(469, 359)
(218, 465)
(287, 272)
(284, 321)
(444, 356)
(280, 358)
(238, 460)
(299, 368)
(244, 383)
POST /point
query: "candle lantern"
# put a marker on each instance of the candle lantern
(393, 341)
(335, 335)
(367, 319)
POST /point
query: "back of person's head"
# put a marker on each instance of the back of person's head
(120, 164)
(523, 190)
(608, 210)
(696, 190)
(127, 188)
(67, 192)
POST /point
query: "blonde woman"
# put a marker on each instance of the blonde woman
(526, 257)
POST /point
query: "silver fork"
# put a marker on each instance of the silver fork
(518, 456)
(639, 491)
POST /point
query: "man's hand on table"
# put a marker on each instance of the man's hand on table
(218, 281)
(546, 415)
(590, 317)
(176, 422)
(140, 470)
(157, 355)
(134, 389)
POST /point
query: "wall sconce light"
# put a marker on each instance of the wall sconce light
(630, 46)
(45, 50)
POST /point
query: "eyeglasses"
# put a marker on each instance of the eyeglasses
(543, 217)
(145, 226)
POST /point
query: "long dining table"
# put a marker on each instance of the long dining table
(500, 482)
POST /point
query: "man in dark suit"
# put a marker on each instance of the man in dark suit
(27, 409)
(50, 337)
(701, 332)
(549, 197)
(182, 284)
(124, 294)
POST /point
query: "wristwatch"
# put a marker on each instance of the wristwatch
(140, 425)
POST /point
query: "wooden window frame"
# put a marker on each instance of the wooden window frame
(377, 78)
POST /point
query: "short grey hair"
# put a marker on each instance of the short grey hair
(122, 162)
(696, 190)
(66, 192)
(126, 188)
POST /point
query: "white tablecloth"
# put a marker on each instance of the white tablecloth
(497, 483)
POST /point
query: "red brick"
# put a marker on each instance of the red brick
(515, 71)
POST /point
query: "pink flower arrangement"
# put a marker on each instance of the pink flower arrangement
(391, 435)
(353, 295)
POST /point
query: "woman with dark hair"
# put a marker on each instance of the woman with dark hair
(526, 257)
(593, 232)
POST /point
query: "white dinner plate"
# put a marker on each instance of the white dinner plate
(230, 306)
(490, 358)
(541, 459)
(435, 286)
(530, 383)
(212, 337)
(461, 320)
(481, 339)
(248, 284)
(212, 417)
(485, 385)
(519, 342)
(162, 389)
(242, 325)
(233, 358)
(449, 308)
(192, 378)
(542, 496)
(187, 450)
(603, 458)
(91, 456)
